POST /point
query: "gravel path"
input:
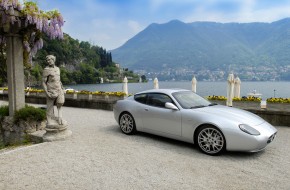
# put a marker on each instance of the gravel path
(99, 156)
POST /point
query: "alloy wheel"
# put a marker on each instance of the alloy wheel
(127, 124)
(211, 141)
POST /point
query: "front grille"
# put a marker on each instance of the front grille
(271, 138)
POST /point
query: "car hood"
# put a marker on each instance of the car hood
(235, 114)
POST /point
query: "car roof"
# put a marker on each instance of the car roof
(166, 91)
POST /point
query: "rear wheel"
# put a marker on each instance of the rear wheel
(210, 140)
(127, 124)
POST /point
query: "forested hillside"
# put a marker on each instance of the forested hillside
(80, 63)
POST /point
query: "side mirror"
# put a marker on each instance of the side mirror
(171, 106)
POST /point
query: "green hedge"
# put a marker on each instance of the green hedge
(4, 111)
(29, 113)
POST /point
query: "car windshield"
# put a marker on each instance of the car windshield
(190, 100)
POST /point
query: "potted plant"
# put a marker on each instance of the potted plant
(278, 104)
(247, 102)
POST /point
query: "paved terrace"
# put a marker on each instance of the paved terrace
(99, 156)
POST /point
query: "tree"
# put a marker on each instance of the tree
(143, 77)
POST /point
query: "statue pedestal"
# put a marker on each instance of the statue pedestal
(56, 132)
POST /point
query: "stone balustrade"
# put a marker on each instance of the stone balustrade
(93, 101)
(275, 113)
(252, 105)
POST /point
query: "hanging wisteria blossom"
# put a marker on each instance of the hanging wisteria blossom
(33, 23)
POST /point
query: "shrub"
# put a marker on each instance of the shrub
(4, 111)
(29, 113)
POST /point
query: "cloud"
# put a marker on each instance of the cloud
(244, 11)
(157, 5)
(134, 26)
(108, 33)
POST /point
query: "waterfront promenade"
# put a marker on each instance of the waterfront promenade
(99, 156)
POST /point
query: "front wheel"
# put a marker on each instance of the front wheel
(210, 140)
(127, 124)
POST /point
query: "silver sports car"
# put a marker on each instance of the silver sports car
(183, 115)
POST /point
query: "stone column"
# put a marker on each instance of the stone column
(193, 84)
(155, 82)
(15, 72)
(125, 86)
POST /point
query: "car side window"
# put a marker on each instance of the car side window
(142, 98)
(158, 100)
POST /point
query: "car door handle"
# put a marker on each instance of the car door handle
(146, 109)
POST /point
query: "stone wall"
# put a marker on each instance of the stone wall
(73, 100)
(14, 134)
(276, 118)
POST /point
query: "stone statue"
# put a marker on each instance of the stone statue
(54, 92)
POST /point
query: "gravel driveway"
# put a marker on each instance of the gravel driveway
(99, 156)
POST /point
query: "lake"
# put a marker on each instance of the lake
(267, 89)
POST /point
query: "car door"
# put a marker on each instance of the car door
(157, 118)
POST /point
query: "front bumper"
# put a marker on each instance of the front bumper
(241, 141)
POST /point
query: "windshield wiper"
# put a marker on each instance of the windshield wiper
(193, 107)
(213, 104)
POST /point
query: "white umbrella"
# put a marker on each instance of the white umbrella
(193, 84)
(125, 86)
(230, 89)
(156, 85)
(237, 87)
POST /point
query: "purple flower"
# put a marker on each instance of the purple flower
(60, 20)
(12, 19)
(33, 50)
(45, 25)
(29, 19)
(26, 46)
(19, 6)
(32, 37)
(38, 44)
(5, 4)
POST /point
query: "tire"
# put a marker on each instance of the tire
(127, 124)
(210, 140)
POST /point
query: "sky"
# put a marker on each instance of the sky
(110, 23)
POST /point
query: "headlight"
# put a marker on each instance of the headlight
(248, 129)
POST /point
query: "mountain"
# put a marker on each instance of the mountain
(206, 45)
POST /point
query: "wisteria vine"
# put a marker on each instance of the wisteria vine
(33, 23)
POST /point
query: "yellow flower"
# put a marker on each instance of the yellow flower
(101, 93)
(278, 100)
(70, 92)
(250, 98)
(84, 92)
(213, 97)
